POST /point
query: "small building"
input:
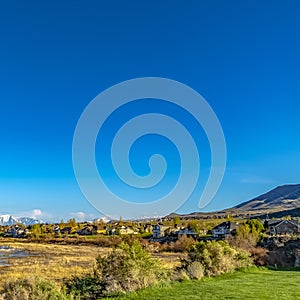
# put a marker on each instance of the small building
(224, 230)
(56, 230)
(148, 228)
(127, 230)
(101, 230)
(158, 231)
(187, 232)
(111, 231)
(66, 230)
(283, 227)
(16, 231)
(88, 230)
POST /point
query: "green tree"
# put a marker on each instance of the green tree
(229, 217)
(194, 225)
(256, 226)
(121, 222)
(247, 237)
(36, 230)
(72, 223)
(176, 221)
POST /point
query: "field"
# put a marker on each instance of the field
(59, 262)
(254, 284)
(54, 261)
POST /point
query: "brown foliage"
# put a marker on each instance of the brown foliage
(260, 256)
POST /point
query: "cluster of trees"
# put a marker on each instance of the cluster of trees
(248, 234)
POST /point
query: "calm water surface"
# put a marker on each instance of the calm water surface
(7, 252)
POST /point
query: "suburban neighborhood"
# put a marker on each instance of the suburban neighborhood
(156, 230)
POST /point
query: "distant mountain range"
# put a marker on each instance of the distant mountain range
(6, 220)
(280, 201)
(283, 197)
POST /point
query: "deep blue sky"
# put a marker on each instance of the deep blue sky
(55, 57)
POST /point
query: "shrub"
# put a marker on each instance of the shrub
(256, 226)
(128, 268)
(183, 244)
(260, 256)
(32, 289)
(195, 270)
(246, 237)
(89, 287)
(215, 258)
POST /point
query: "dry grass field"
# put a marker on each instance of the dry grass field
(55, 261)
(49, 261)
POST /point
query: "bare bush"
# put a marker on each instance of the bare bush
(260, 256)
(184, 243)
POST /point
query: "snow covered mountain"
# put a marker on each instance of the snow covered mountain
(6, 220)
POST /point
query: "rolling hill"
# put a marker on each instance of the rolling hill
(280, 201)
(283, 197)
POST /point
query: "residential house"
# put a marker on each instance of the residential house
(187, 232)
(101, 230)
(66, 230)
(56, 229)
(88, 230)
(282, 227)
(127, 230)
(158, 231)
(148, 228)
(111, 231)
(224, 230)
(16, 231)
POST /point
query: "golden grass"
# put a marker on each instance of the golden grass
(49, 261)
(169, 259)
(59, 262)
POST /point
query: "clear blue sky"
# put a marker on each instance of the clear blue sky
(55, 57)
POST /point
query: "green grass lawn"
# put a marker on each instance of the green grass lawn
(254, 284)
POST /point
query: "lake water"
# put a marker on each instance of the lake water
(9, 252)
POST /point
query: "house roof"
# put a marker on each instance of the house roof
(66, 229)
(227, 225)
(274, 222)
(278, 222)
(293, 222)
